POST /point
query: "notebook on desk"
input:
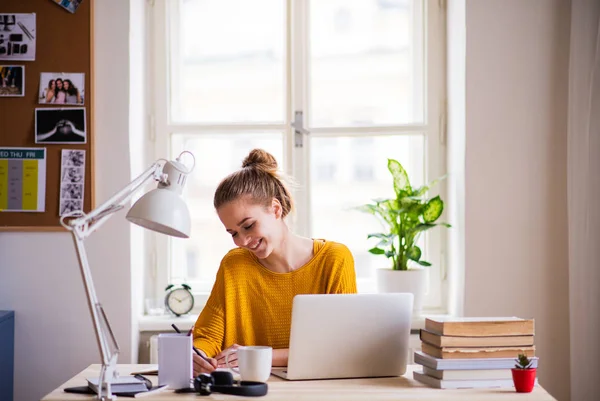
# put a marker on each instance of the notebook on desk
(348, 335)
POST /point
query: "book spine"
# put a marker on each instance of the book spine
(440, 341)
(502, 328)
(466, 353)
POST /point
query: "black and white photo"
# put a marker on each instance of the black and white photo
(60, 125)
(72, 180)
(71, 191)
(17, 37)
(12, 80)
(73, 175)
(73, 157)
(62, 88)
(70, 205)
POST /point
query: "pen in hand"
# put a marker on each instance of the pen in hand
(196, 350)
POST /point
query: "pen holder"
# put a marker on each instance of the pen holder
(175, 360)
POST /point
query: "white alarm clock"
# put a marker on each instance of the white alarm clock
(179, 300)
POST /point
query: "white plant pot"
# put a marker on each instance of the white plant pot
(413, 280)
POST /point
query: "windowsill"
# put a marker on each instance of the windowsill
(163, 322)
(184, 323)
(418, 322)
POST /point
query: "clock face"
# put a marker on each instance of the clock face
(180, 301)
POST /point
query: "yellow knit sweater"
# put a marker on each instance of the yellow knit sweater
(251, 305)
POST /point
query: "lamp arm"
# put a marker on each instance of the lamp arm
(81, 227)
(107, 343)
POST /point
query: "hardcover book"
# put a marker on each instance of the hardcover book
(467, 364)
(455, 384)
(480, 326)
(470, 353)
(470, 374)
(123, 384)
(440, 341)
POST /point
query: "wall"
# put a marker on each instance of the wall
(139, 160)
(456, 48)
(39, 273)
(516, 207)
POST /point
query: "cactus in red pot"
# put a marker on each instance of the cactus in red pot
(523, 374)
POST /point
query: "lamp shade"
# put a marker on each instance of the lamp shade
(162, 210)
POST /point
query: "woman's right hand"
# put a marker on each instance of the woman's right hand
(203, 366)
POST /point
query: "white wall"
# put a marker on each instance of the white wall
(516, 207)
(456, 48)
(137, 129)
(39, 273)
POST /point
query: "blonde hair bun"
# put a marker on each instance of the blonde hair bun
(259, 179)
(260, 159)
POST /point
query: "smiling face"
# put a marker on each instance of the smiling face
(253, 226)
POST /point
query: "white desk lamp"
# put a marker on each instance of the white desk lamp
(162, 210)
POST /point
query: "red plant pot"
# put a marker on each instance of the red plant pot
(524, 379)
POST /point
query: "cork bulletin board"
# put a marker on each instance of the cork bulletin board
(63, 49)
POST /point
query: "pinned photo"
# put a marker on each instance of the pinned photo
(73, 158)
(71, 191)
(72, 175)
(70, 205)
(72, 180)
(60, 125)
(12, 80)
(69, 5)
(62, 88)
(17, 37)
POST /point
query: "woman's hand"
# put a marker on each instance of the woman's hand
(201, 365)
(280, 357)
(233, 358)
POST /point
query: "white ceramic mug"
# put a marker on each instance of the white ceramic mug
(254, 363)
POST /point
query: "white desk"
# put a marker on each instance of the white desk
(390, 388)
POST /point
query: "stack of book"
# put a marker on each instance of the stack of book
(473, 352)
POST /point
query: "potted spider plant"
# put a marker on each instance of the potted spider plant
(523, 374)
(405, 217)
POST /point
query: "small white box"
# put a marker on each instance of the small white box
(175, 360)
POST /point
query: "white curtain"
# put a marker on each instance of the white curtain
(583, 165)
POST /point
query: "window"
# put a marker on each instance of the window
(364, 78)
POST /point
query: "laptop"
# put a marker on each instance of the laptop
(338, 336)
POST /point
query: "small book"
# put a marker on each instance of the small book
(468, 364)
(471, 374)
(480, 326)
(455, 384)
(152, 370)
(470, 353)
(152, 391)
(440, 341)
(123, 384)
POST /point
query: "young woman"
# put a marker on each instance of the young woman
(251, 301)
(50, 91)
(72, 92)
(60, 96)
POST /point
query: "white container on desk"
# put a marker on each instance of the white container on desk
(175, 360)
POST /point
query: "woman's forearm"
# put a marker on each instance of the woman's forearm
(280, 357)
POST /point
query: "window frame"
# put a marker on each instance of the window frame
(296, 159)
